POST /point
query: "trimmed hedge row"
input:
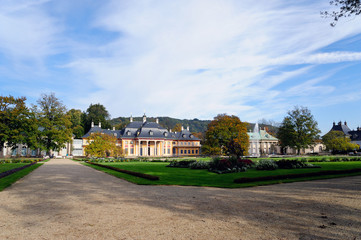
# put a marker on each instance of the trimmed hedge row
(137, 174)
(298, 175)
(14, 170)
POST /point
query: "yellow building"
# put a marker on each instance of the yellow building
(149, 139)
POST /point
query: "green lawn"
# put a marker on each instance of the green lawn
(190, 177)
(7, 181)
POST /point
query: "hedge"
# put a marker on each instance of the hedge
(137, 174)
(298, 175)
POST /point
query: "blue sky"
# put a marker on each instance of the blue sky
(184, 59)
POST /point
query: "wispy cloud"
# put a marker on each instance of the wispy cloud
(255, 59)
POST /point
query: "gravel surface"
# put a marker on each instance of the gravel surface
(66, 200)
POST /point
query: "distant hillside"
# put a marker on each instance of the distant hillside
(195, 125)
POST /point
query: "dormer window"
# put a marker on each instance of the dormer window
(165, 134)
(191, 136)
(151, 133)
(184, 136)
(128, 133)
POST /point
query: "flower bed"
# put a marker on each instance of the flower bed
(14, 170)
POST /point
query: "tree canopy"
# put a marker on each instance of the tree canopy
(299, 129)
(338, 142)
(54, 123)
(102, 145)
(76, 123)
(226, 135)
(95, 113)
(16, 122)
(346, 8)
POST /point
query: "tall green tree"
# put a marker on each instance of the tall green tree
(54, 123)
(338, 142)
(226, 135)
(299, 129)
(76, 122)
(95, 113)
(17, 124)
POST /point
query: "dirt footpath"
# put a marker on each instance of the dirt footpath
(65, 200)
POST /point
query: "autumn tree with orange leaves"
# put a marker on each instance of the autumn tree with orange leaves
(226, 135)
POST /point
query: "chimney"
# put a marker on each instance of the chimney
(157, 120)
(334, 124)
(345, 123)
(100, 124)
(92, 124)
(144, 118)
(339, 123)
(113, 128)
(187, 128)
(182, 128)
(131, 118)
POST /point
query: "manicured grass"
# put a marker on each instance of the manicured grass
(8, 166)
(7, 181)
(196, 177)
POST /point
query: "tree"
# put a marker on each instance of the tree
(226, 135)
(95, 113)
(102, 145)
(338, 142)
(16, 122)
(76, 123)
(54, 123)
(177, 128)
(298, 129)
(347, 8)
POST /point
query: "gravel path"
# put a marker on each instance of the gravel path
(66, 200)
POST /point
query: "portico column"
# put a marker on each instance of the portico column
(147, 149)
(155, 148)
(163, 151)
(138, 147)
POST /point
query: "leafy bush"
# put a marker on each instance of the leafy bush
(289, 164)
(224, 165)
(181, 164)
(199, 165)
(266, 164)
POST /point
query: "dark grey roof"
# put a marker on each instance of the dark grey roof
(145, 130)
(96, 129)
(341, 127)
(355, 135)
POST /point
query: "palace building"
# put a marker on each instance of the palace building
(149, 139)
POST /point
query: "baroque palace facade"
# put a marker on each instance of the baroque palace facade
(149, 139)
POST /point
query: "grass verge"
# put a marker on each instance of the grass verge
(200, 177)
(7, 181)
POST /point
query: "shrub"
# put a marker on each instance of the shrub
(224, 165)
(266, 164)
(289, 164)
(199, 165)
(181, 164)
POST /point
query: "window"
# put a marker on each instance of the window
(126, 151)
(126, 142)
(181, 151)
(151, 133)
(132, 151)
(168, 150)
(192, 151)
(189, 151)
(196, 151)
(131, 142)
